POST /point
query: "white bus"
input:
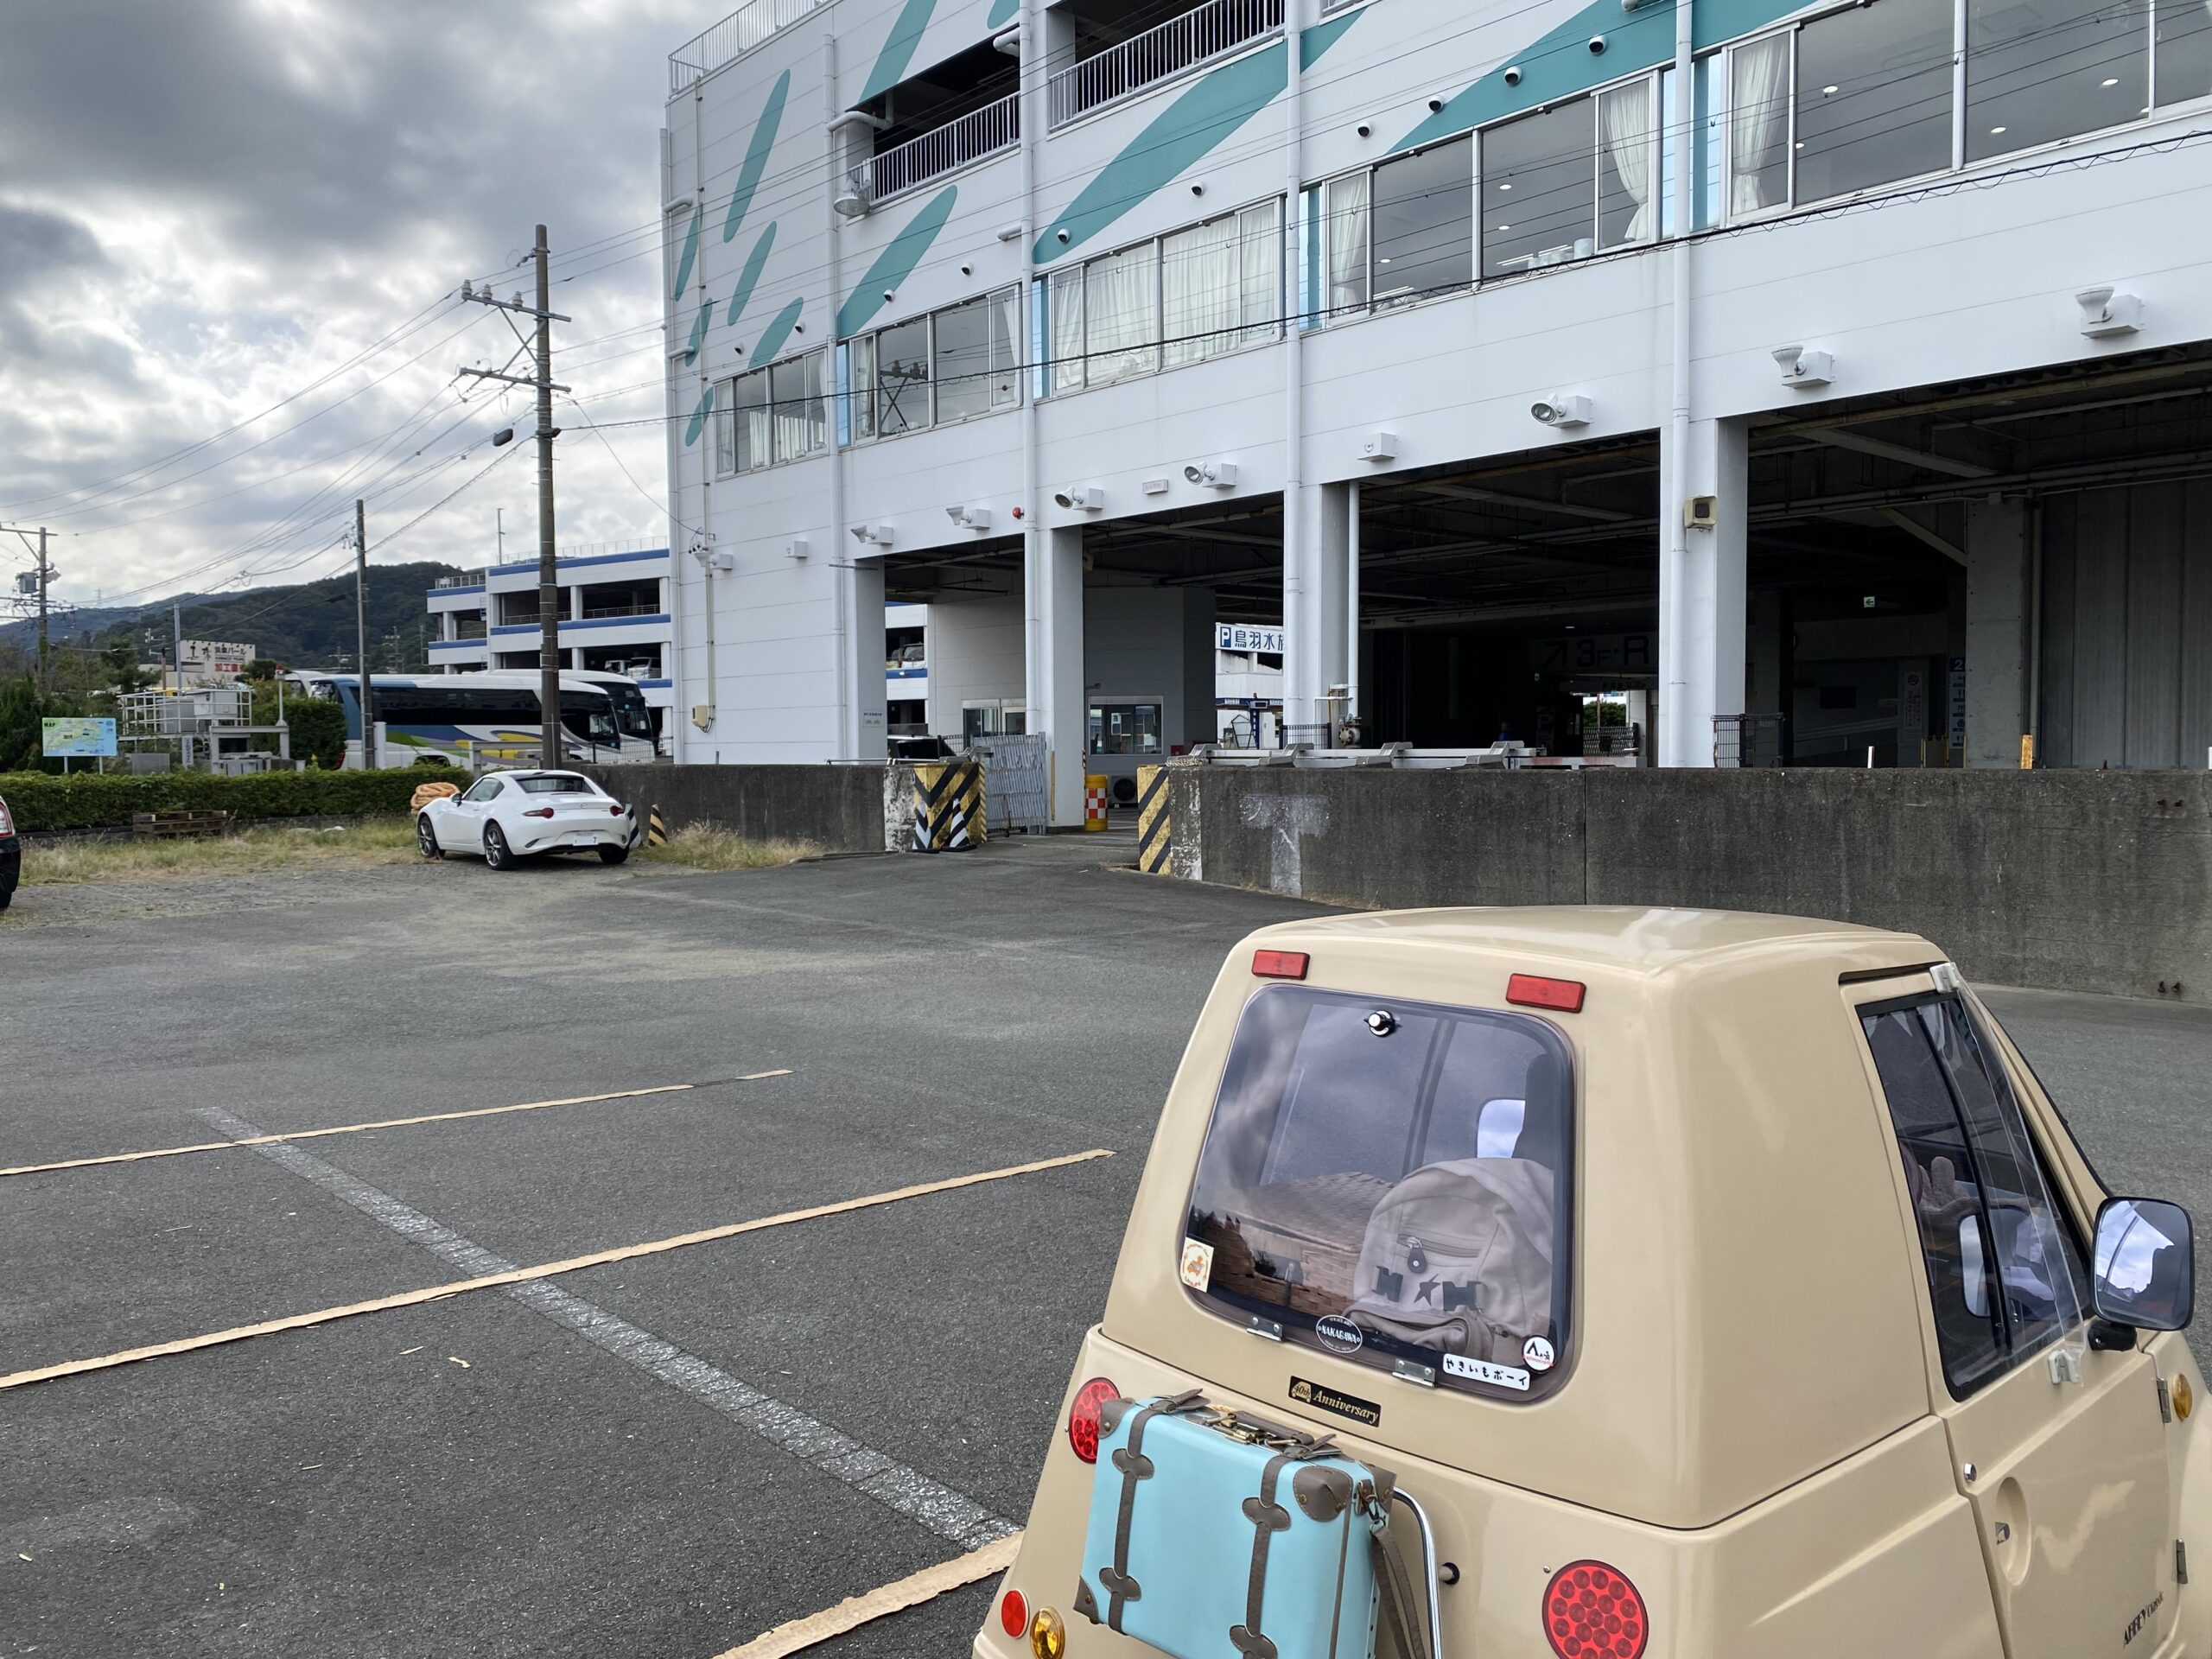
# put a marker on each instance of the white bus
(492, 717)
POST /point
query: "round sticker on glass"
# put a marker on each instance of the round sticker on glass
(1338, 1334)
(1537, 1354)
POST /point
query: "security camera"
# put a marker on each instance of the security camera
(967, 270)
(1513, 74)
(1366, 130)
(1198, 189)
(1436, 104)
(1063, 235)
(1562, 408)
(889, 294)
(1597, 44)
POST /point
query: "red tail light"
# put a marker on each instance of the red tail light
(539, 812)
(1082, 1417)
(1592, 1612)
(1279, 964)
(1532, 992)
(1013, 1614)
(616, 810)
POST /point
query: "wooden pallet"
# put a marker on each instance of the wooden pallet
(178, 823)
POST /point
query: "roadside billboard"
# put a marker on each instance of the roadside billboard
(78, 739)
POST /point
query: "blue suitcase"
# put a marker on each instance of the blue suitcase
(1215, 1537)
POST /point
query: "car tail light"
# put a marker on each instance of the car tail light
(616, 810)
(1013, 1614)
(539, 812)
(1531, 991)
(1082, 1417)
(1592, 1612)
(1279, 964)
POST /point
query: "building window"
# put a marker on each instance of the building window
(2182, 53)
(1873, 89)
(1571, 181)
(961, 361)
(1182, 299)
(772, 415)
(1344, 226)
(2036, 73)
(1424, 223)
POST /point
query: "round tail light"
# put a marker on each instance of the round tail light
(1013, 1614)
(1082, 1417)
(1592, 1612)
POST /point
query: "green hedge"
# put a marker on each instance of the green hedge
(86, 800)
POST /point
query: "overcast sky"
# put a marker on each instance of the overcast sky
(207, 206)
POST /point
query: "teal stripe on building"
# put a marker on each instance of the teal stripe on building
(777, 331)
(896, 262)
(756, 156)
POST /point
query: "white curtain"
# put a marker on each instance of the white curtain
(725, 427)
(1260, 298)
(1347, 217)
(1198, 281)
(1121, 302)
(1065, 302)
(1758, 116)
(1625, 124)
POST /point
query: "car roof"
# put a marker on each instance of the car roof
(1618, 938)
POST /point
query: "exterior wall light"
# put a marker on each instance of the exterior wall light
(1081, 497)
(970, 518)
(1213, 474)
(1803, 366)
(1562, 408)
(2106, 312)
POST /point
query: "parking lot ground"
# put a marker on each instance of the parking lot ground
(666, 1455)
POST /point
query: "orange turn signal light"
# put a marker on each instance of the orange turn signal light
(1532, 991)
(1279, 964)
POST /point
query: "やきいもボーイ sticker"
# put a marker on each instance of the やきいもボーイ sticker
(1198, 1264)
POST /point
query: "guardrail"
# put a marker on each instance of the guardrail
(731, 38)
(974, 135)
(1210, 31)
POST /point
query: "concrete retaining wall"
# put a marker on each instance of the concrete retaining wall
(840, 809)
(2073, 880)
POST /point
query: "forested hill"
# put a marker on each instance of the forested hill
(310, 625)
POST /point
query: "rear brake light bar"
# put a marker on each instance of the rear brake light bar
(1533, 991)
(1279, 964)
(539, 812)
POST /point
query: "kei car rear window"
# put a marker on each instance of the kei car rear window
(1389, 1181)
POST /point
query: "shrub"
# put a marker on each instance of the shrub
(86, 800)
(318, 730)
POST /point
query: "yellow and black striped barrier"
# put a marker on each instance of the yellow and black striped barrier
(1155, 833)
(949, 806)
(656, 827)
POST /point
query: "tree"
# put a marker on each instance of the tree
(121, 658)
(263, 668)
(20, 749)
(318, 731)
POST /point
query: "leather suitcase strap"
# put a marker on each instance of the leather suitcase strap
(1134, 1467)
(1267, 1518)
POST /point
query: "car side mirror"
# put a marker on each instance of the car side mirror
(2145, 1270)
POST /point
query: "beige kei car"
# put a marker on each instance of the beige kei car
(1715, 1285)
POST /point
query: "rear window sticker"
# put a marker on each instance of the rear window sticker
(1537, 1354)
(1481, 1371)
(1338, 1334)
(1198, 1264)
(1321, 1397)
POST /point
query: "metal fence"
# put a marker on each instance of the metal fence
(1208, 32)
(980, 133)
(731, 38)
(1016, 770)
(1747, 739)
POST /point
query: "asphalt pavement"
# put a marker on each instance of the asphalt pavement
(669, 1454)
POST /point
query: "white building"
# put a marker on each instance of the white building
(614, 619)
(1869, 396)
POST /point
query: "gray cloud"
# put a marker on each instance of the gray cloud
(204, 208)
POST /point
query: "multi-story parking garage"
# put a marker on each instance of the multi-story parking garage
(1863, 392)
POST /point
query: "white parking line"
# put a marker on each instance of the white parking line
(927, 1502)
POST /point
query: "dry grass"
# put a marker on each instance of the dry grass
(77, 863)
(711, 847)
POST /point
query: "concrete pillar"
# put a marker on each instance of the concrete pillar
(1314, 596)
(1999, 608)
(861, 583)
(1702, 595)
(1053, 658)
(1763, 665)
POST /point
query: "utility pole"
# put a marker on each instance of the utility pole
(42, 578)
(550, 747)
(361, 635)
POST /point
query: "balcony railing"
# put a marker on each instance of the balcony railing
(980, 133)
(640, 608)
(1210, 31)
(731, 38)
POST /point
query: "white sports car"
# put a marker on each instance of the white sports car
(506, 816)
